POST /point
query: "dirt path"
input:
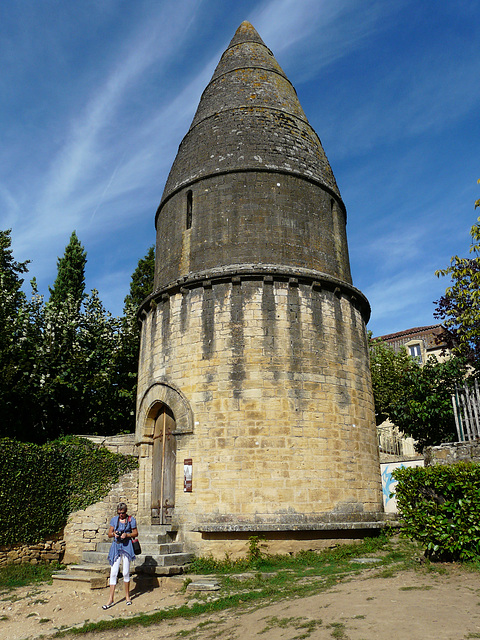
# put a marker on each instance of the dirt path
(415, 605)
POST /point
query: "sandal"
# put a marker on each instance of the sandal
(107, 606)
(129, 602)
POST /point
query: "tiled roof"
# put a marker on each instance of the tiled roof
(433, 328)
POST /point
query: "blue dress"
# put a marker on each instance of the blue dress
(121, 547)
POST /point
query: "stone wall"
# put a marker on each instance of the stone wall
(452, 452)
(88, 526)
(275, 377)
(51, 550)
(124, 444)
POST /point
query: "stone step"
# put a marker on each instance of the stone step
(88, 569)
(154, 559)
(154, 538)
(158, 528)
(157, 533)
(94, 577)
(148, 548)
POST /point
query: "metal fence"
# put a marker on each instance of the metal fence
(466, 407)
(392, 441)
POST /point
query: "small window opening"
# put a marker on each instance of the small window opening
(189, 209)
(415, 352)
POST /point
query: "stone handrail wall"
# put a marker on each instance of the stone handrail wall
(124, 444)
(452, 452)
(88, 526)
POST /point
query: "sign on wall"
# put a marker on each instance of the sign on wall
(187, 475)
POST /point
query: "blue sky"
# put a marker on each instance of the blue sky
(96, 97)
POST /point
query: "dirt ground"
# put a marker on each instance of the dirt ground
(412, 605)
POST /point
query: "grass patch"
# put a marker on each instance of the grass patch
(338, 630)
(307, 627)
(423, 588)
(183, 633)
(303, 561)
(14, 576)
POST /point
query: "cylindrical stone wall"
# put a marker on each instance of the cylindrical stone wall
(251, 217)
(275, 374)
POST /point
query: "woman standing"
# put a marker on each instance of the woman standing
(122, 529)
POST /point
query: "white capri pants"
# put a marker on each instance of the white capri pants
(116, 567)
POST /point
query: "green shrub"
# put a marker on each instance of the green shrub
(40, 485)
(440, 507)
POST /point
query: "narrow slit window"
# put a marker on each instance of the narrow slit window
(189, 209)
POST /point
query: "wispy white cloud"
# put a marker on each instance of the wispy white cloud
(400, 299)
(82, 173)
(82, 153)
(311, 34)
(423, 94)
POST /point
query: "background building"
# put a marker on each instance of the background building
(420, 343)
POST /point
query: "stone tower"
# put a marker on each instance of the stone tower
(255, 412)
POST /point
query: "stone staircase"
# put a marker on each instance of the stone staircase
(161, 556)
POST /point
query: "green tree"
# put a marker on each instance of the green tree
(19, 334)
(141, 281)
(388, 369)
(141, 286)
(78, 381)
(67, 366)
(425, 410)
(459, 308)
(10, 277)
(70, 280)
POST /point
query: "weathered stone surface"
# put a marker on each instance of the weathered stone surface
(452, 452)
(203, 585)
(254, 338)
(47, 551)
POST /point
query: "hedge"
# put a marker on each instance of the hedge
(440, 507)
(40, 485)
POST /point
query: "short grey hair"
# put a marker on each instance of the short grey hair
(121, 506)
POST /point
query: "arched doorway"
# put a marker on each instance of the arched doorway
(163, 472)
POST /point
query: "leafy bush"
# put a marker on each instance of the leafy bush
(440, 508)
(41, 485)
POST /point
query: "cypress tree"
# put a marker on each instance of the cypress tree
(70, 280)
(141, 281)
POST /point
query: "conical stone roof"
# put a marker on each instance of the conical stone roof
(249, 118)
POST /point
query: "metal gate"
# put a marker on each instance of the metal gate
(466, 407)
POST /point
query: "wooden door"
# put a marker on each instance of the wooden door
(164, 459)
